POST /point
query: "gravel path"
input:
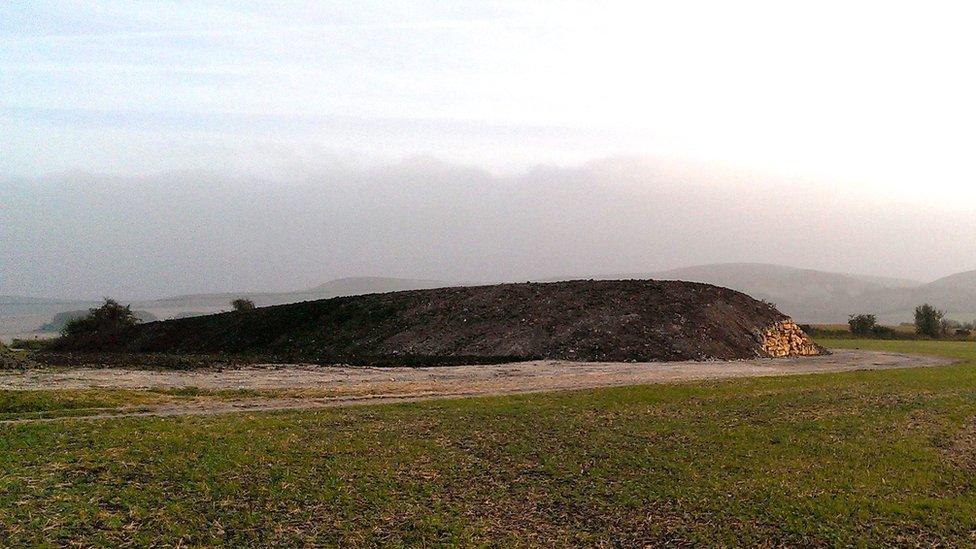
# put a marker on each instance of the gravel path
(340, 386)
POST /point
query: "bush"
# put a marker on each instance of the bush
(242, 304)
(11, 358)
(884, 332)
(28, 344)
(862, 324)
(948, 326)
(928, 321)
(110, 317)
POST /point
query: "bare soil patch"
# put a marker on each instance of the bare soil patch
(297, 386)
(962, 451)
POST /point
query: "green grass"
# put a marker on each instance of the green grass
(963, 350)
(26, 404)
(859, 458)
(32, 404)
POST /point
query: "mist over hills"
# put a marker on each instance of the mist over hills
(826, 297)
(426, 223)
(333, 288)
(966, 280)
(807, 295)
(86, 236)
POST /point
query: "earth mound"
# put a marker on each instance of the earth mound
(586, 320)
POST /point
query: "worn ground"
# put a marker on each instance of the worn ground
(310, 386)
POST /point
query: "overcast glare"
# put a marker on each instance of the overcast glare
(204, 146)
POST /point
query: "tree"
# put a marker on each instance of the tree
(862, 324)
(947, 326)
(242, 304)
(928, 320)
(110, 317)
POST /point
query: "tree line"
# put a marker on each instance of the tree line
(929, 322)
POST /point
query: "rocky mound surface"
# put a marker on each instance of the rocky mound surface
(606, 320)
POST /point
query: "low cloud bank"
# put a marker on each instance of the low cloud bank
(87, 236)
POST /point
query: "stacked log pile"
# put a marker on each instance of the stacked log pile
(785, 338)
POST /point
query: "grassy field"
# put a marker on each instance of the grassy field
(854, 458)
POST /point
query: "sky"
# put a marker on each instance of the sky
(864, 104)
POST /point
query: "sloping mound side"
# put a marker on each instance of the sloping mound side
(622, 320)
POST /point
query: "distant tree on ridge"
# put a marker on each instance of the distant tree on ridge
(242, 304)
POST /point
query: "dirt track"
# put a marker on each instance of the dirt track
(319, 386)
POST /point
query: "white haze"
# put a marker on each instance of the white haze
(867, 94)
(138, 237)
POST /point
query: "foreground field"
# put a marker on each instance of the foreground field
(857, 457)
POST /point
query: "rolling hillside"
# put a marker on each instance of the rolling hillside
(807, 295)
(20, 316)
(824, 297)
(333, 288)
(818, 296)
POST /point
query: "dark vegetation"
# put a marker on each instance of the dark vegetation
(29, 344)
(242, 304)
(930, 323)
(862, 324)
(60, 320)
(108, 320)
(580, 320)
(11, 358)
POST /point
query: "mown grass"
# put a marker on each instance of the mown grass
(862, 458)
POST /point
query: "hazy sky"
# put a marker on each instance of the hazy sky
(869, 102)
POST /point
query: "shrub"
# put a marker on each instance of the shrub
(883, 332)
(928, 320)
(28, 344)
(948, 326)
(242, 304)
(862, 324)
(110, 317)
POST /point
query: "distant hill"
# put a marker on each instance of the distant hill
(959, 281)
(333, 288)
(20, 313)
(956, 294)
(825, 297)
(807, 295)
(375, 284)
(13, 306)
